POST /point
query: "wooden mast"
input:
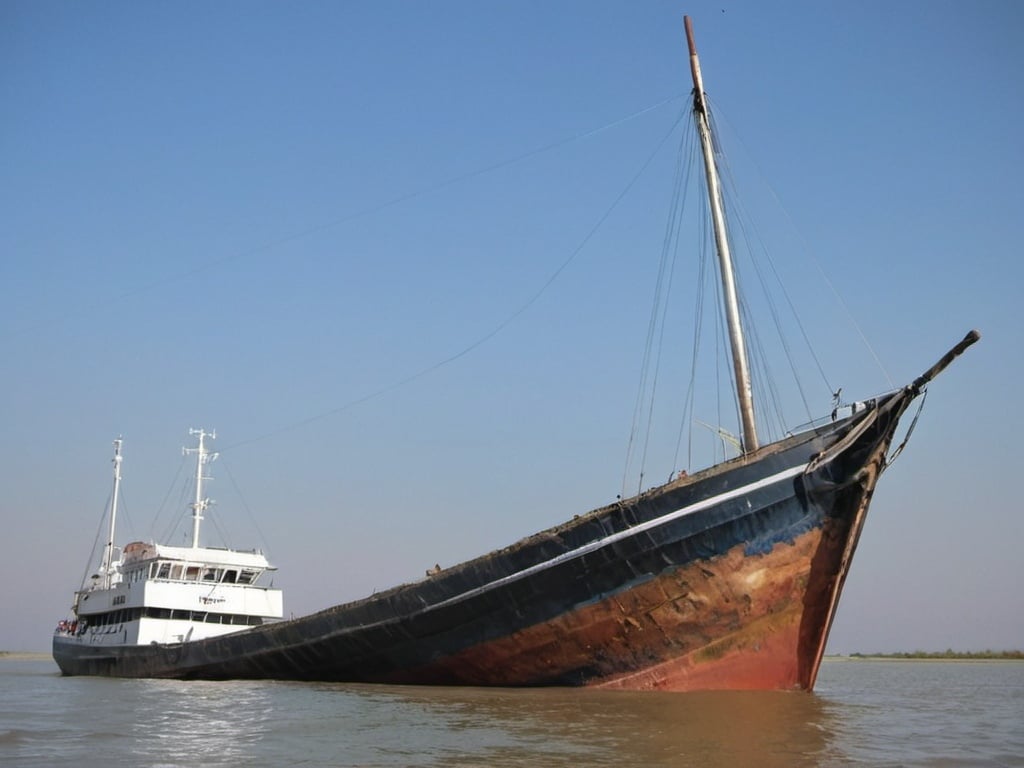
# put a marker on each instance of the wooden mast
(741, 367)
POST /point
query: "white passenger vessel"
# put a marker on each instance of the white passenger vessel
(152, 593)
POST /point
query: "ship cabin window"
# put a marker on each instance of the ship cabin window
(164, 572)
(192, 573)
(176, 572)
(176, 614)
(246, 576)
(210, 574)
(230, 576)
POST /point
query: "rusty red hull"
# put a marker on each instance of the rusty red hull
(725, 580)
(732, 622)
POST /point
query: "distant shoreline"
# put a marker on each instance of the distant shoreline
(24, 656)
(936, 656)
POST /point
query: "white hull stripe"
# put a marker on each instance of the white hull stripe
(620, 535)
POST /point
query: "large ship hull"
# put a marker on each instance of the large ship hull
(727, 579)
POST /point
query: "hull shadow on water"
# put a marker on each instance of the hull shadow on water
(472, 726)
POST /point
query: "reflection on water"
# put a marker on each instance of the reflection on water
(864, 713)
(210, 723)
(581, 727)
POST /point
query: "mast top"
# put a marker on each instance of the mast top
(698, 82)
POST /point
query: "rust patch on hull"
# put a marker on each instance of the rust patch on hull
(736, 622)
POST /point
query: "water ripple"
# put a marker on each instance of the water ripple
(864, 714)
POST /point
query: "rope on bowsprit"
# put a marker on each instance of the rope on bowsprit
(906, 438)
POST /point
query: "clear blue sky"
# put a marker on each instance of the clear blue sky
(238, 216)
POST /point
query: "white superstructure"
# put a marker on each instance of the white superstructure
(155, 593)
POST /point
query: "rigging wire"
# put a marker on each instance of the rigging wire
(688, 401)
(768, 391)
(215, 520)
(659, 306)
(708, 284)
(770, 402)
(660, 346)
(906, 438)
(810, 253)
(163, 504)
(489, 334)
(125, 517)
(245, 506)
(359, 214)
(96, 541)
(721, 347)
(187, 490)
(176, 520)
(765, 254)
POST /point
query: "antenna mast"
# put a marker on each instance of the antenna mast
(107, 566)
(741, 367)
(203, 457)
